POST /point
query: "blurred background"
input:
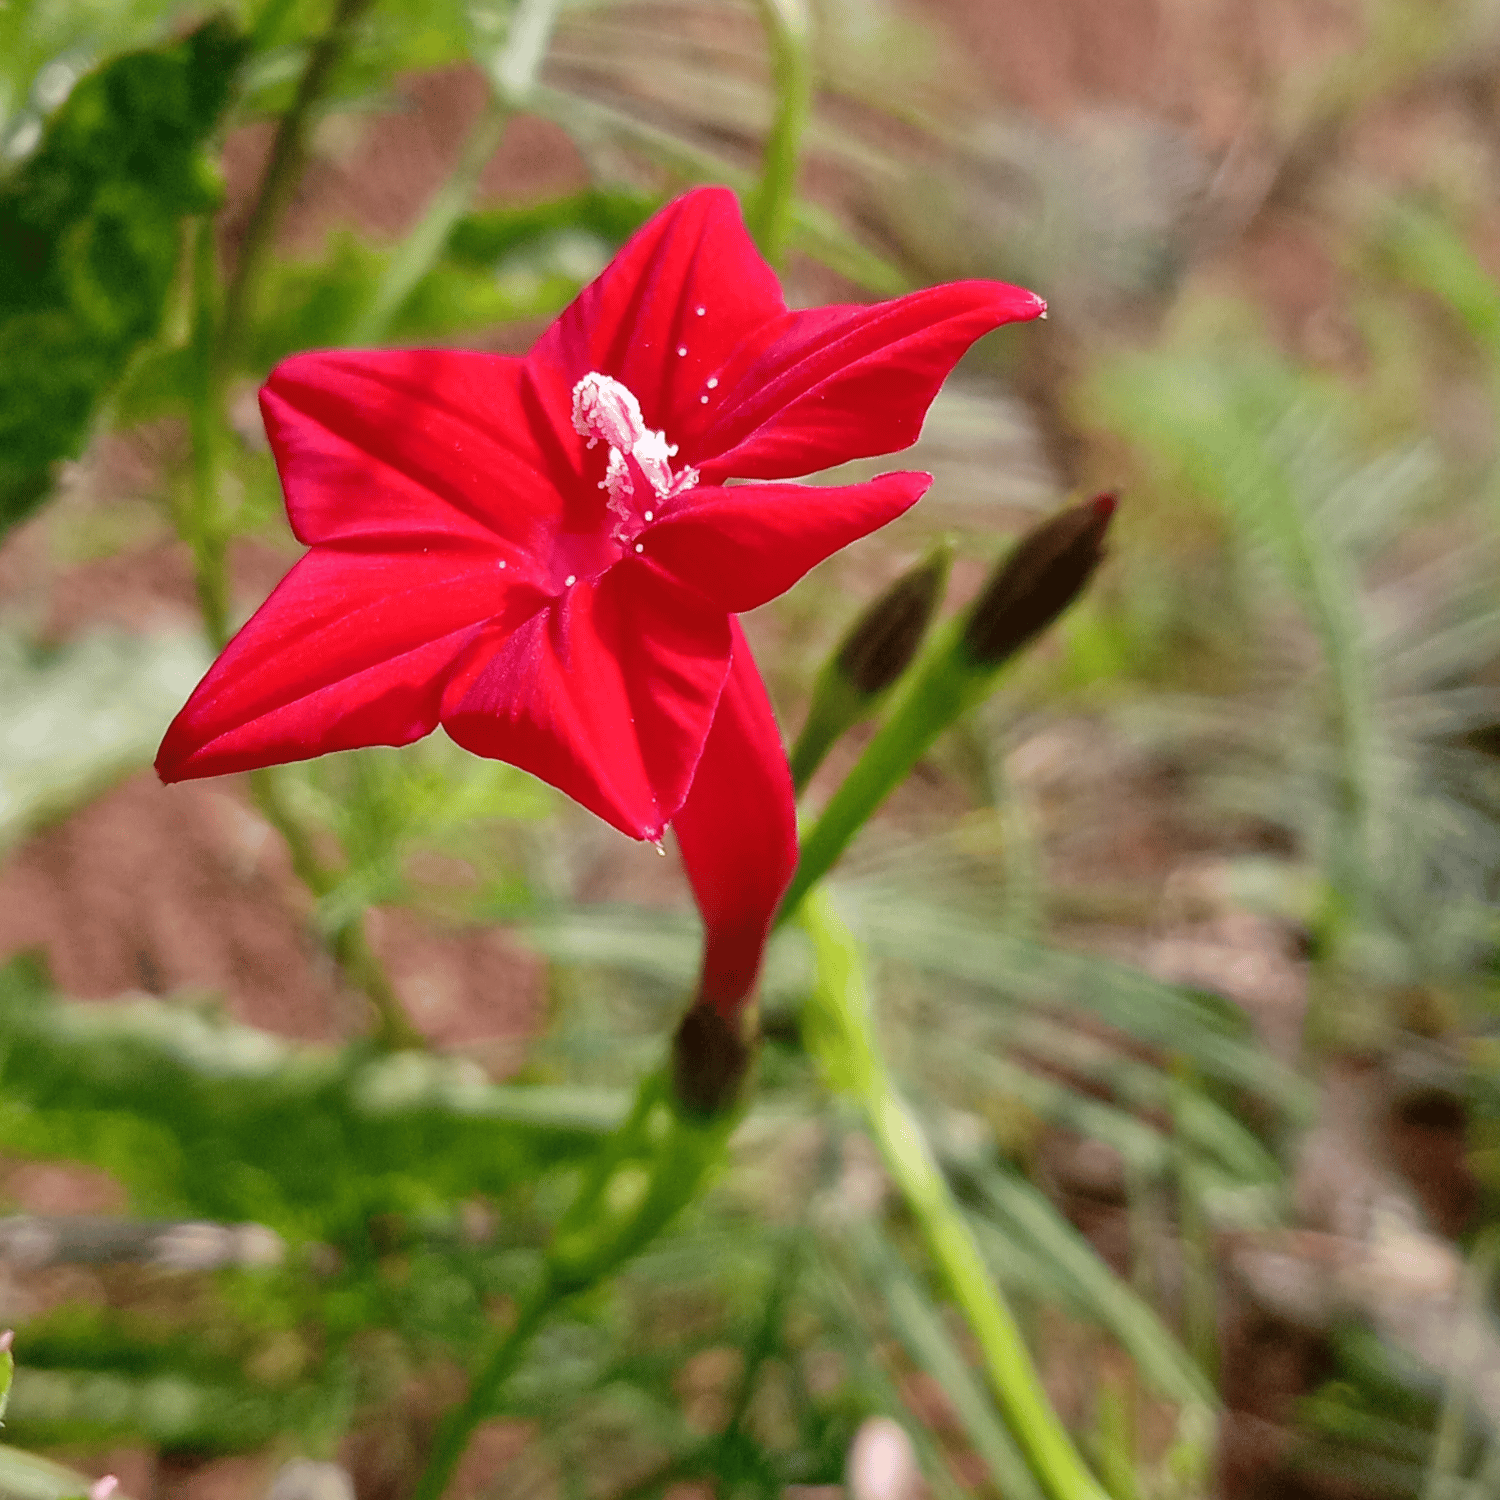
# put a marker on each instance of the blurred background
(1185, 941)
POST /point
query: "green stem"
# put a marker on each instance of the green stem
(942, 686)
(204, 526)
(283, 173)
(788, 31)
(458, 1425)
(648, 1170)
(204, 523)
(512, 79)
(349, 943)
(418, 252)
(841, 1035)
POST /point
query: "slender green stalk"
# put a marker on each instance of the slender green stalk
(1200, 1287)
(205, 527)
(417, 253)
(788, 28)
(350, 942)
(648, 1170)
(512, 79)
(940, 688)
(460, 1421)
(283, 173)
(1042, 575)
(204, 522)
(841, 1035)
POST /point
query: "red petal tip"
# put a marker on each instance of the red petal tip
(1106, 504)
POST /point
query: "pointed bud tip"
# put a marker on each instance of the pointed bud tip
(7, 1340)
(881, 643)
(1045, 571)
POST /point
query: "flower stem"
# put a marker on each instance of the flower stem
(512, 77)
(639, 1179)
(203, 523)
(349, 942)
(205, 527)
(788, 29)
(841, 1036)
(283, 172)
(416, 254)
(458, 1424)
(941, 687)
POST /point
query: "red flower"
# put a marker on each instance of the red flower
(541, 554)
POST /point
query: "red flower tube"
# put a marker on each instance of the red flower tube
(542, 554)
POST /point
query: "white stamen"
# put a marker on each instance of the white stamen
(605, 409)
(570, 580)
(640, 546)
(649, 515)
(712, 381)
(681, 350)
(700, 311)
(703, 400)
(502, 562)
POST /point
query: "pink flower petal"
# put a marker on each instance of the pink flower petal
(634, 319)
(405, 447)
(608, 694)
(821, 387)
(738, 834)
(746, 544)
(351, 649)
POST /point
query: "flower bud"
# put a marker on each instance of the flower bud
(881, 643)
(870, 659)
(1044, 574)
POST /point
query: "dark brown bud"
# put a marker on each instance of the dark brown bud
(881, 643)
(1043, 575)
(710, 1057)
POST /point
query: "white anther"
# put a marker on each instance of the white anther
(712, 381)
(640, 546)
(681, 350)
(605, 409)
(650, 515)
(570, 580)
(700, 311)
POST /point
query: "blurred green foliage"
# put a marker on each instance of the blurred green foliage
(1301, 623)
(91, 240)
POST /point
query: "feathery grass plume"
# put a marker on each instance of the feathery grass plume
(876, 649)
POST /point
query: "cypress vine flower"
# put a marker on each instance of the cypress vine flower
(543, 554)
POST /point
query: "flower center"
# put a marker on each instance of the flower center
(639, 474)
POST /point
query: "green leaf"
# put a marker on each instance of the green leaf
(944, 941)
(207, 1119)
(1019, 1211)
(90, 240)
